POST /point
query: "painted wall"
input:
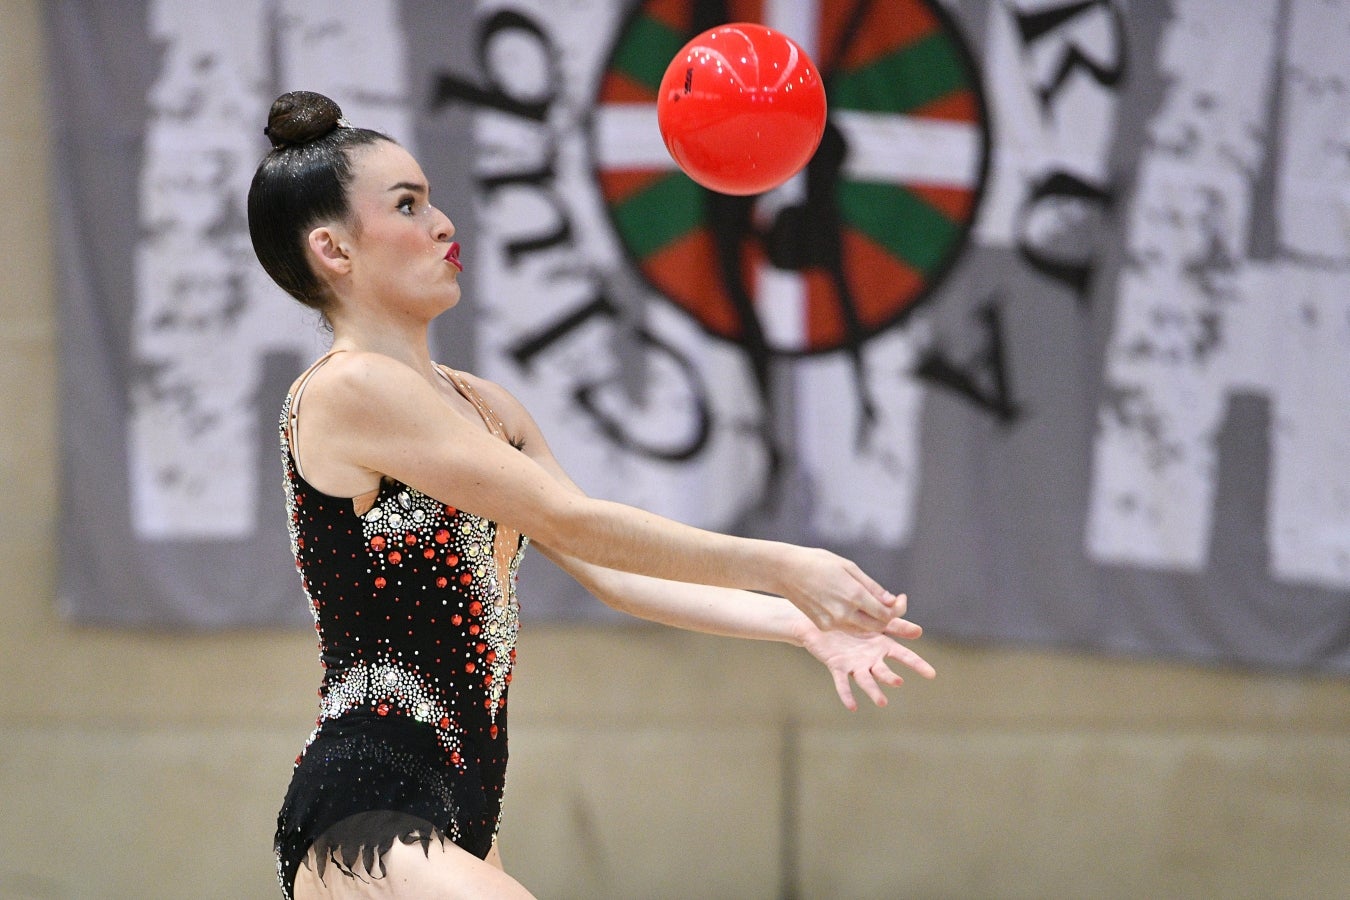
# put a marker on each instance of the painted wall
(647, 763)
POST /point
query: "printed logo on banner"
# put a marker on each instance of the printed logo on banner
(880, 213)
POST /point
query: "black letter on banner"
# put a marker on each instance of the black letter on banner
(1077, 212)
(1035, 26)
(613, 428)
(983, 379)
(525, 351)
(541, 179)
(450, 88)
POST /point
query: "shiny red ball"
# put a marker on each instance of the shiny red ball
(741, 108)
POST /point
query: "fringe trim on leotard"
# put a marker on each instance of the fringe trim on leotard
(364, 839)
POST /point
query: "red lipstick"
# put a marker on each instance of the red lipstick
(452, 256)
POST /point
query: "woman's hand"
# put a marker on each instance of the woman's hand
(864, 659)
(836, 595)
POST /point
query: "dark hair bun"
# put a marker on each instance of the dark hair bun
(300, 117)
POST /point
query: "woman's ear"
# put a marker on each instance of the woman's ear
(330, 250)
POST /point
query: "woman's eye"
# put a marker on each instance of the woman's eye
(405, 206)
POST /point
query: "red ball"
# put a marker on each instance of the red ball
(741, 108)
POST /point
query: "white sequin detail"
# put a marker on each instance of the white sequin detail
(397, 687)
(293, 507)
(501, 611)
(408, 510)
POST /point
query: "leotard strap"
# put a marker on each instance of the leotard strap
(293, 418)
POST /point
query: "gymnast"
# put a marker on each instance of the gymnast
(412, 491)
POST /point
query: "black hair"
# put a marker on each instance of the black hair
(303, 181)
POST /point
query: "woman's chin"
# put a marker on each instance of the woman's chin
(450, 299)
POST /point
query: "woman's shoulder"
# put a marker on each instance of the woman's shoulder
(371, 370)
(357, 381)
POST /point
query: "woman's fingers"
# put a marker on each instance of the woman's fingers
(900, 606)
(886, 675)
(877, 603)
(860, 625)
(851, 621)
(869, 686)
(862, 620)
(912, 660)
(865, 661)
(904, 629)
(842, 688)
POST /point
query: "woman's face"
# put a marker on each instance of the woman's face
(399, 246)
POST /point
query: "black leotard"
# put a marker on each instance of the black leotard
(415, 606)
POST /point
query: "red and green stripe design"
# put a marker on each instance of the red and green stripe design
(904, 94)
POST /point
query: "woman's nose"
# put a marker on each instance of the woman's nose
(444, 228)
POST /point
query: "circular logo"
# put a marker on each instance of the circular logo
(854, 242)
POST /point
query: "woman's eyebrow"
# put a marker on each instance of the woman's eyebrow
(415, 187)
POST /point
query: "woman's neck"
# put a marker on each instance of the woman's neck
(408, 345)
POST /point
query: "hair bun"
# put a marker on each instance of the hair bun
(300, 117)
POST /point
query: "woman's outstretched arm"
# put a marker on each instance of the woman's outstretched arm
(736, 613)
(421, 440)
(745, 614)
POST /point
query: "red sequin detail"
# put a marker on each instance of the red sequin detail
(395, 557)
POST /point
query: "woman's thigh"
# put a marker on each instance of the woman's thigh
(444, 871)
